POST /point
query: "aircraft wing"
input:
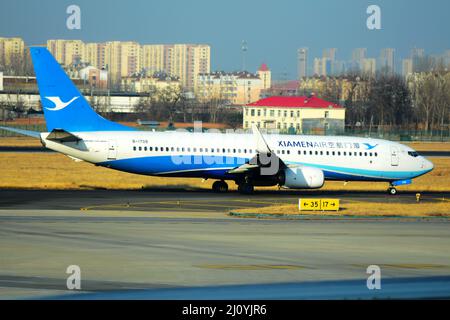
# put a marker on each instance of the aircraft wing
(29, 133)
(265, 158)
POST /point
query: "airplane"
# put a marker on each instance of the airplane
(249, 159)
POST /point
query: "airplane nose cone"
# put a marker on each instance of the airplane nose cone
(428, 165)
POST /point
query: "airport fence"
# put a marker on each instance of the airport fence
(394, 135)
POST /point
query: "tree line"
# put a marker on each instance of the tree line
(419, 102)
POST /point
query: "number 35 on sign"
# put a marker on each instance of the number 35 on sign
(318, 204)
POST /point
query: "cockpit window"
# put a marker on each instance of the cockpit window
(413, 153)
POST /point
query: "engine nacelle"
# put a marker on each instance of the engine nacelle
(303, 178)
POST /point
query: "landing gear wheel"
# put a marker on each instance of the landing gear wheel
(392, 191)
(246, 188)
(220, 186)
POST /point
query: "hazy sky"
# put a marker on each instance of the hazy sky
(273, 29)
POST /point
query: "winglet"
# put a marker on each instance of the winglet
(261, 144)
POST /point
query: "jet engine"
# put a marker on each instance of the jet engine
(302, 178)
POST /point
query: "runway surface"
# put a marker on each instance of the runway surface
(174, 240)
(181, 200)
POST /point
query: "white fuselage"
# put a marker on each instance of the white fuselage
(212, 155)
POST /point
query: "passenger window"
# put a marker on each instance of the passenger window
(288, 152)
(317, 153)
(145, 148)
(365, 154)
(310, 152)
(376, 154)
(134, 148)
(140, 148)
(328, 153)
(339, 153)
(333, 153)
(201, 149)
(360, 154)
(223, 150)
(304, 152)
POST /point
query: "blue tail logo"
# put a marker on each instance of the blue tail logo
(59, 105)
(64, 106)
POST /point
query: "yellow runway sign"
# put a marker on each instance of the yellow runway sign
(318, 204)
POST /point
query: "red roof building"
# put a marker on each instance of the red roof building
(294, 102)
(295, 115)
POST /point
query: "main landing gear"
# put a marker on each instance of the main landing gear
(220, 186)
(246, 188)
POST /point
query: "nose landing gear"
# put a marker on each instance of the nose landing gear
(392, 191)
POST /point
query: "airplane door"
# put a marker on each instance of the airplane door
(112, 150)
(394, 156)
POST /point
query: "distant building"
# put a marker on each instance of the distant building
(265, 76)
(369, 66)
(95, 77)
(237, 88)
(387, 60)
(11, 50)
(358, 57)
(322, 66)
(417, 57)
(302, 57)
(150, 84)
(407, 67)
(124, 58)
(294, 114)
(329, 53)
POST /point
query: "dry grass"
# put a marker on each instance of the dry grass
(423, 209)
(56, 171)
(429, 146)
(19, 142)
(51, 170)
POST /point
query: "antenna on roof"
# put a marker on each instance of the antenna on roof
(244, 49)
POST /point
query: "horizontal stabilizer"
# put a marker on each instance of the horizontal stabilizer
(29, 133)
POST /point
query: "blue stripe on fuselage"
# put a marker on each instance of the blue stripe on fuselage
(217, 167)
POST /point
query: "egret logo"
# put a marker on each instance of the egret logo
(369, 146)
(59, 105)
